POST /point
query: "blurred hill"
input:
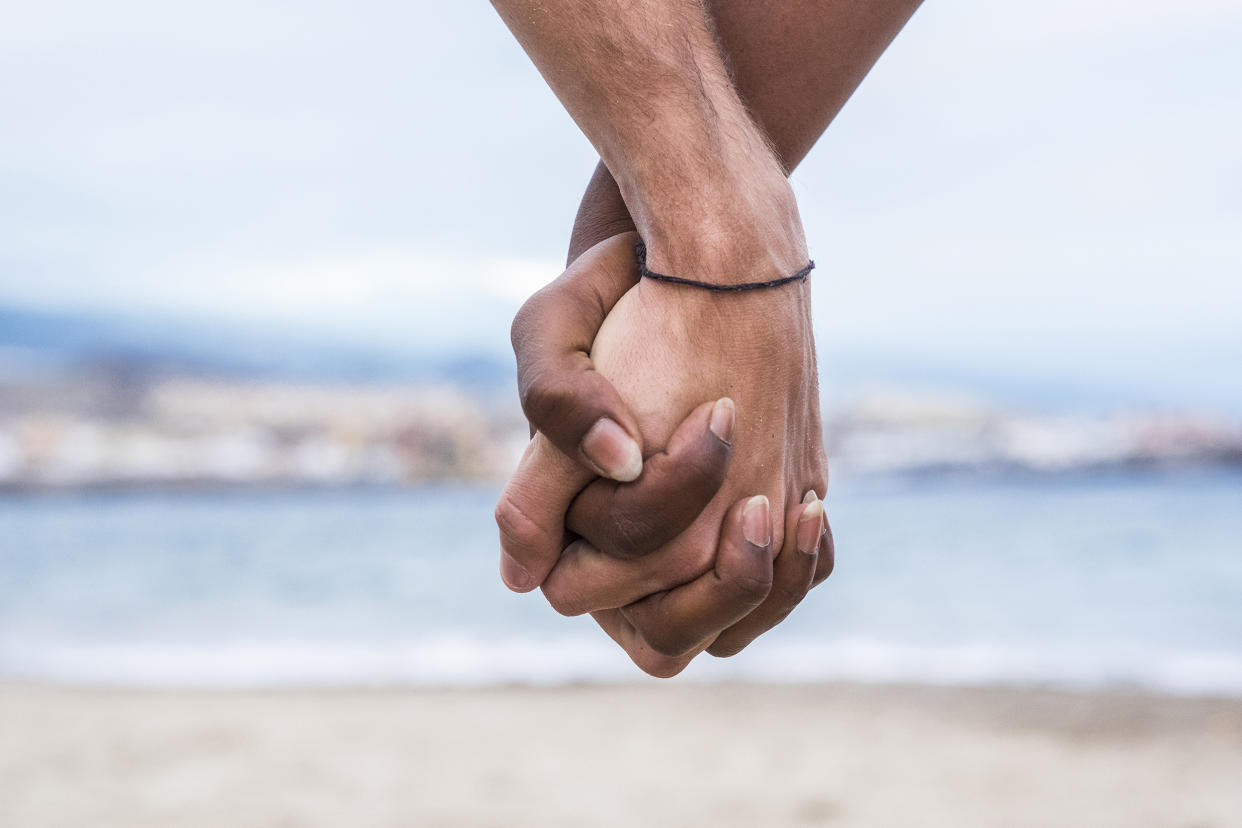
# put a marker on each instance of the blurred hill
(38, 342)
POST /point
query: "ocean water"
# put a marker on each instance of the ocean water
(1124, 580)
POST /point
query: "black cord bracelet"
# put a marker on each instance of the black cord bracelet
(640, 250)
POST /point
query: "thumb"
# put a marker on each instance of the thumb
(562, 395)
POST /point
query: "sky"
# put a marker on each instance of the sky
(1049, 189)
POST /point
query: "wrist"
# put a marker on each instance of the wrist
(602, 214)
(767, 322)
(725, 232)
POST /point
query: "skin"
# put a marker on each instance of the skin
(647, 85)
(662, 590)
(662, 357)
(794, 64)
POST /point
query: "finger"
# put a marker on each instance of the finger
(791, 578)
(585, 579)
(827, 556)
(639, 651)
(562, 394)
(531, 510)
(628, 520)
(657, 511)
(676, 621)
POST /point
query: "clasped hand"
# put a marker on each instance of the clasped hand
(673, 486)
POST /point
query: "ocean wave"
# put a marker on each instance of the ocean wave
(474, 660)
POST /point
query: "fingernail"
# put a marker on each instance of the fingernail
(810, 496)
(756, 522)
(723, 414)
(613, 451)
(809, 526)
(514, 574)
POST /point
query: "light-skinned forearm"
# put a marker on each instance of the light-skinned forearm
(646, 83)
(794, 64)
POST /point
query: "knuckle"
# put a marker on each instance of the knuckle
(785, 596)
(667, 642)
(526, 320)
(517, 529)
(565, 601)
(747, 588)
(727, 648)
(541, 398)
(661, 631)
(568, 589)
(660, 666)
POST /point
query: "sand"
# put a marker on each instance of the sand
(647, 755)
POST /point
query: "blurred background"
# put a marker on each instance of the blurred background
(257, 266)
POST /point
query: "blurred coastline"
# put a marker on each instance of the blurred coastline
(106, 402)
(117, 428)
(185, 433)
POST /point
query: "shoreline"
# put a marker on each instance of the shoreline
(1123, 693)
(1227, 467)
(632, 754)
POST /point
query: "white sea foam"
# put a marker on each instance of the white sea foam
(467, 660)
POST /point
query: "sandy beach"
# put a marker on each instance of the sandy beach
(668, 755)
